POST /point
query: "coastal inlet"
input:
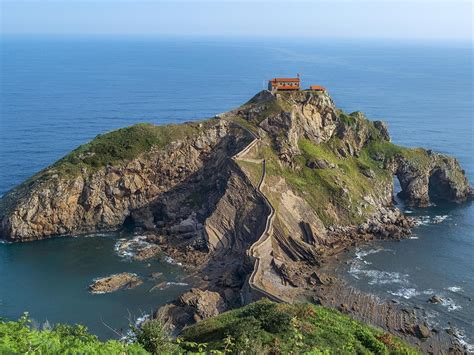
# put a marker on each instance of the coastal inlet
(55, 286)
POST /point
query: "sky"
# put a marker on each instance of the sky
(390, 19)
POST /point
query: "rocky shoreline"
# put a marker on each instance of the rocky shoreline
(253, 203)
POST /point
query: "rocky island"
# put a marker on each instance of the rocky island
(256, 200)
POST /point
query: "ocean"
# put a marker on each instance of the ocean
(57, 93)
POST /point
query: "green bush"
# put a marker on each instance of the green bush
(269, 317)
(20, 338)
(154, 338)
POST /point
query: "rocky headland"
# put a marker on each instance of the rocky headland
(254, 202)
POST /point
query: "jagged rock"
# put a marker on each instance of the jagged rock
(369, 173)
(320, 279)
(435, 299)
(115, 282)
(191, 307)
(383, 129)
(147, 253)
(421, 331)
(320, 164)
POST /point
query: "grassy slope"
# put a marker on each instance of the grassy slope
(261, 327)
(125, 144)
(318, 186)
(265, 326)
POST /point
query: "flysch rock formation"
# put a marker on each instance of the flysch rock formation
(252, 201)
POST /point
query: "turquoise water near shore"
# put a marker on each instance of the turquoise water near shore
(57, 93)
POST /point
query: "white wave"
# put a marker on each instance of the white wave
(427, 220)
(439, 219)
(408, 211)
(450, 304)
(461, 337)
(360, 253)
(358, 268)
(170, 260)
(376, 277)
(422, 220)
(454, 289)
(406, 293)
(171, 283)
(128, 248)
(130, 336)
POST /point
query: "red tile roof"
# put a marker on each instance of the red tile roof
(317, 87)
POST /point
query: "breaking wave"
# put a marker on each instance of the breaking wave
(128, 248)
(455, 289)
(450, 304)
(170, 260)
(428, 220)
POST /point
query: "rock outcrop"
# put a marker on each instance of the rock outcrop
(438, 177)
(191, 307)
(115, 282)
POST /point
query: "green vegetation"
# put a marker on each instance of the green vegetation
(20, 338)
(252, 169)
(416, 156)
(342, 187)
(267, 327)
(261, 327)
(335, 193)
(262, 110)
(124, 144)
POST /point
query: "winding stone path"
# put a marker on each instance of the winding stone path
(263, 244)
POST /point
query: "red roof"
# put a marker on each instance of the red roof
(317, 87)
(286, 79)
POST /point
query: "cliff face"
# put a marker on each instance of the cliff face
(62, 202)
(329, 177)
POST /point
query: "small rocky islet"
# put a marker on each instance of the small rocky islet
(258, 201)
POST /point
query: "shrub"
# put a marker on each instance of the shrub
(367, 338)
(20, 338)
(154, 338)
(269, 316)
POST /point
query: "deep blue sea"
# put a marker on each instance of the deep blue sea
(57, 93)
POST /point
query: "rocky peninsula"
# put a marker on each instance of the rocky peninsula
(256, 200)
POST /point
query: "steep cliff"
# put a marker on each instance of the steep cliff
(96, 187)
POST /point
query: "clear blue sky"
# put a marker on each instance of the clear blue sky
(415, 19)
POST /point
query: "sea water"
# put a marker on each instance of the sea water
(57, 93)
